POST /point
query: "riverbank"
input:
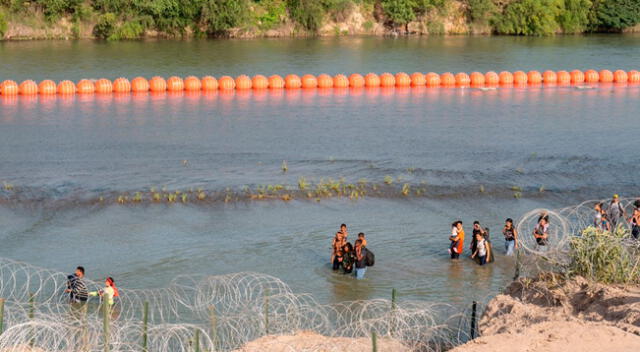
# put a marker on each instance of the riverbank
(118, 20)
(550, 314)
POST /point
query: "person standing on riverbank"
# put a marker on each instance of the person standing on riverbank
(76, 287)
(634, 221)
(108, 293)
(540, 232)
(510, 237)
(615, 211)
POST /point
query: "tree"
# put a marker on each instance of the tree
(529, 17)
(399, 12)
(616, 14)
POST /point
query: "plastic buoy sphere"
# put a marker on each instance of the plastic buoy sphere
(371, 80)
(244, 82)
(309, 81)
(447, 79)
(9, 87)
(175, 84)
(209, 83)
(387, 80)
(341, 81)
(47, 87)
(276, 82)
(28, 87)
(292, 82)
(66, 88)
(356, 81)
(491, 78)
(139, 84)
(85, 86)
(563, 77)
(634, 76)
(462, 79)
(591, 76)
(577, 76)
(620, 76)
(549, 77)
(534, 77)
(226, 83)
(402, 79)
(103, 86)
(433, 79)
(506, 77)
(259, 82)
(325, 81)
(121, 85)
(192, 84)
(606, 76)
(476, 79)
(519, 77)
(157, 84)
(418, 79)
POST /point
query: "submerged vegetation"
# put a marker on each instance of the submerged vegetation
(126, 19)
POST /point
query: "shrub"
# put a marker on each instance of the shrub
(3, 24)
(105, 26)
(616, 14)
(273, 13)
(53, 9)
(399, 12)
(308, 13)
(575, 17)
(481, 10)
(529, 17)
(218, 16)
(128, 30)
(606, 257)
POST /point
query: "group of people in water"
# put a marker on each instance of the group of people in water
(607, 218)
(480, 247)
(79, 293)
(350, 258)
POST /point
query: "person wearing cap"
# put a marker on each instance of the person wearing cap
(615, 211)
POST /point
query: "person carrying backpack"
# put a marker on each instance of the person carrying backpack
(361, 259)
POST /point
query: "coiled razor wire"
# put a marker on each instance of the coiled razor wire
(223, 313)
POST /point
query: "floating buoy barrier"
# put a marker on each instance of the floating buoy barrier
(323, 81)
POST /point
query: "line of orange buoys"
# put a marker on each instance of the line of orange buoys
(244, 82)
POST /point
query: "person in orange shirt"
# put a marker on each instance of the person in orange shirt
(459, 238)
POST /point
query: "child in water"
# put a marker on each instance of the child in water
(453, 248)
(363, 239)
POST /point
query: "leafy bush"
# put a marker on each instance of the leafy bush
(481, 10)
(308, 13)
(273, 11)
(3, 24)
(53, 9)
(616, 14)
(605, 256)
(399, 12)
(575, 17)
(218, 16)
(529, 17)
(128, 30)
(105, 26)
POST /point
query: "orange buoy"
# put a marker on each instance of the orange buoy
(634, 76)
(66, 88)
(244, 82)
(192, 84)
(491, 78)
(309, 81)
(476, 79)
(355, 81)
(620, 76)
(9, 87)
(418, 79)
(121, 85)
(276, 82)
(402, 79)
(387, 80)
(577, 76)
(433, 79)
(371, 80)
(325, 81)
(506, 77)
(139, 84)
(175, 84)
(260, 82)
(47, 87)
(209, 83)
(103, 86)
(606, 76)
(462, 79)
(447, 79)
(341, 81)
(226, 83)
(292, 81)
(157, 84)
(549, 77)
(28, 87)
(519, 77)
(534, 77)
(85, 86)
(563, 77)
(591, 76)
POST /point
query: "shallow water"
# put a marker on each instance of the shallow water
(62, 154)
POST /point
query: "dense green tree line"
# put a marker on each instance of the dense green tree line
(125, 19)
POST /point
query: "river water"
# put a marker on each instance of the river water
(469, 153)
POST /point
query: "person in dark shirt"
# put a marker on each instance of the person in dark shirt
(361, 265)
(348, 258)
(76, 287)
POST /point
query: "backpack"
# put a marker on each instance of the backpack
(369, 258)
